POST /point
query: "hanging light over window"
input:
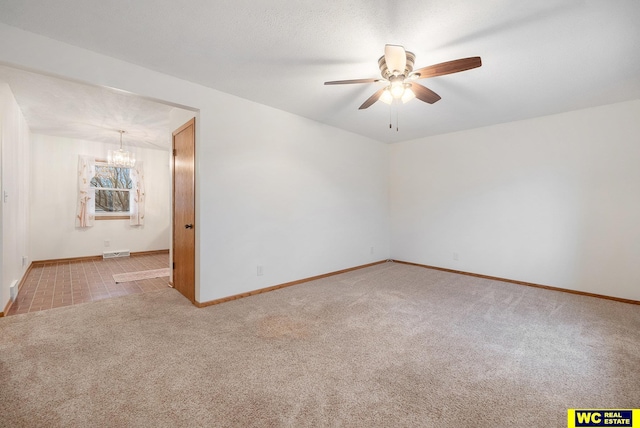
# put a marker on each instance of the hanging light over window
(121, 157)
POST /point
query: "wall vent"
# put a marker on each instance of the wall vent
(114, 254)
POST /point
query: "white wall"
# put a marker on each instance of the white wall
(553, 200)
(14, 138)
(54, 195)
(299, 197)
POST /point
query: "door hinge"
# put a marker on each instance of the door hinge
(174, 152)
(174, 265)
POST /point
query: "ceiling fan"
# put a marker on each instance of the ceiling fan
(396, 68)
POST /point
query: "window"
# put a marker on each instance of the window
(108, 192)
(113, 185)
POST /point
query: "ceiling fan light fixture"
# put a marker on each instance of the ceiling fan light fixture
(408, 95)
(397, 89)
(386, 96)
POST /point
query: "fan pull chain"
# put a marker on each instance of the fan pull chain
(391, 107)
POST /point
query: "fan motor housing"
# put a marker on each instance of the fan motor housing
(384, 71)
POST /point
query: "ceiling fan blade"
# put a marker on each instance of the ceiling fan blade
(396, 58)
(424, 94)
(347, 82)
(448, 67)
(372, 99)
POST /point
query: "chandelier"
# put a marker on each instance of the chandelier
(121, 157)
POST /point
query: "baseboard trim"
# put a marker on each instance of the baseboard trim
(22, 281)
(279, 286)
(99, 257)
(150, 253)
(528, 284)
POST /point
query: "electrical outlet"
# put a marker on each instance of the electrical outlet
(456, 256)
(371, 250)
(24, 261)
(259, 270)
(107, 243)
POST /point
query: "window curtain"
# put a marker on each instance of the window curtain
(86, 208)
(137, 196)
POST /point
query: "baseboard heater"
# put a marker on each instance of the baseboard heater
(114, 254)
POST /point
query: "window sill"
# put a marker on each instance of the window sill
(112, 217)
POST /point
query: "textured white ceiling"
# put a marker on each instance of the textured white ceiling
(53, 106)
(538, 58)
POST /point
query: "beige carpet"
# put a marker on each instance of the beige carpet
(386, 346)
(143, 274)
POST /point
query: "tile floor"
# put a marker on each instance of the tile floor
(57, 284)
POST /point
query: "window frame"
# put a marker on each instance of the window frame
(106, 215)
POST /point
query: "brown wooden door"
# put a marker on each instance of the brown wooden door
(184, 196)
